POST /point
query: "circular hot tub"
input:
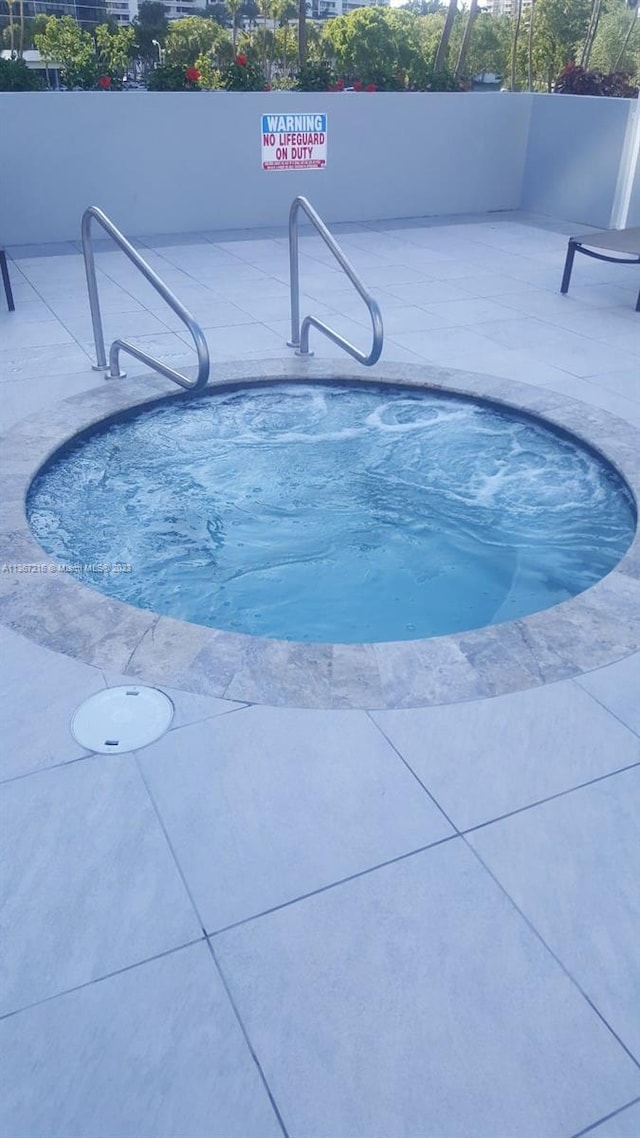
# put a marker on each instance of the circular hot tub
(333, 513)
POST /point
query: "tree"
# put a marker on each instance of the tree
(114, 49)
(594, 20)
(302, 32)
(490, 44)
(192, 36)
(443, 46)
(66, 44)
(617, 43)
(560, 27)
(16, 76)
(12, 46)
(633, 27)
(151, 24)
(234, 7)
(376, 45)
(530, 45)
(466, 39)
(517, 19)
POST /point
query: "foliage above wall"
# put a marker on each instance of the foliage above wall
(426, 45)
(576, 80)
(16, 76)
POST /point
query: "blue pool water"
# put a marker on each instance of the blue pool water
(340, 514)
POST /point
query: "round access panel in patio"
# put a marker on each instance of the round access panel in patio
(122, 719)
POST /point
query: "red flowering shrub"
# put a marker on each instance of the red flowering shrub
(357, 85)
(371, 87)
(242, 75)
(104, 82)
(173, 77)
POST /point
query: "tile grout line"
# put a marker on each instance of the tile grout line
(59, 320)
(202, 926)
(101, 979)
(168, 841)
(549, 798)
(333, 885)
(51, 767)
(413, 773)
(250, 1047)
(614, 1114)
(554, 955)
(576, 680)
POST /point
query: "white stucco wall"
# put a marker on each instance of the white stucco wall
(161, 163)
(178, 162)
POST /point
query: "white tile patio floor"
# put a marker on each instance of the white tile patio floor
(404, 924)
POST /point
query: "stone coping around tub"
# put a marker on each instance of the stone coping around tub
(594, 628)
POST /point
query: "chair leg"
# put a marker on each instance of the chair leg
(568, 266)
(6, 281)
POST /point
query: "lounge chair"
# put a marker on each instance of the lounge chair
(613, 240)
(6, 281)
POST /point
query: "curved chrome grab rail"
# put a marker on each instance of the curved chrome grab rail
(300, 336)
(122, 345)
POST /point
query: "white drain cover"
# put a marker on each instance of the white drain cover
(122, 719)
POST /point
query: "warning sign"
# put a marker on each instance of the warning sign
(294, 142)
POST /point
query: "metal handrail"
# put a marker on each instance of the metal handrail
(154, 280)
(300, 335)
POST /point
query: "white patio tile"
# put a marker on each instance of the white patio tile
(630, 341)
(28, 363)
(115, 325)
(220, 314)
(267, 804)
(617, 688)
(112, 299)
(274, 309)
(623, 382)
(429, 292)
(233, 342)
(28, 311)
(603, 295)
(40, 690)
(487, 284)
(154, 1052)
(165, 345)
(572, 867)
(392, 351)
(40, 334)
(470, 311)
(488, 757)
(567, 312)
(557, 346)
(93, 887)
(596, 394)
(357, 333)
(467, 348)
(416, 1001)
(410, 318)
(626, 1124)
